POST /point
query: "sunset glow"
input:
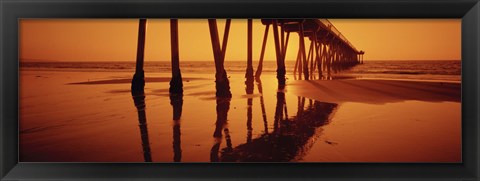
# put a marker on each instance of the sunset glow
(115, 40)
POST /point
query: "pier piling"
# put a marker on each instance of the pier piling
(138, 80)
(222, 83)
(176, 84)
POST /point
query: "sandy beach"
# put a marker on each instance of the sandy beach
(353, 120)
(377, 91)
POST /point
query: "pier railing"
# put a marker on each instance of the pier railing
(336, 32)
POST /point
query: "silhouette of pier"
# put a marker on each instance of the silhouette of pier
(327, 48)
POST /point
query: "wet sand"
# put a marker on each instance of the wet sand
(377, 91)
(91, 117)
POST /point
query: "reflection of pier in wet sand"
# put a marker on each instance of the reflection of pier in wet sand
(139, 101)
(176, 100)
(290, 138)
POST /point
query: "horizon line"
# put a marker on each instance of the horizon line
(133, 61)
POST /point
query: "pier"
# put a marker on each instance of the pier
(327, 49)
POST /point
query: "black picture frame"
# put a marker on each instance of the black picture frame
(12, 10)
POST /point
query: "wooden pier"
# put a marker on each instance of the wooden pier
(327, 48)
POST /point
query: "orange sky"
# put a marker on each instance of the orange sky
(116, 39)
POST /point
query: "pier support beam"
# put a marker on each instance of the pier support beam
(302, 48)
(320, 57)
(138, 80)
(299, 63)
(310, 58)
(284, 47)
(330, 58)
(318, 54)
(137, 88)
(279, 54)
(176, 84)
(262, 53)
(249, 71)
(222, 84)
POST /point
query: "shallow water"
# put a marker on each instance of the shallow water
(92, 117)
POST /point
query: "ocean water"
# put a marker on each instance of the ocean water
(419, 70)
